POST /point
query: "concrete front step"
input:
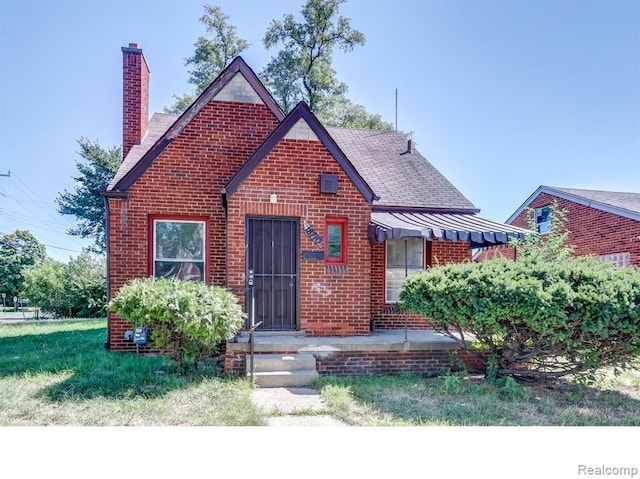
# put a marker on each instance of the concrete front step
(285, 379)
(282, 370)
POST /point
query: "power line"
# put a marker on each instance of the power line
(59, 247)
(41, 201)
(31, 222)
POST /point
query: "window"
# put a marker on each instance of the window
(543, 219)
(616, 259)
(405, 257)
(179, 249)
(335, 246)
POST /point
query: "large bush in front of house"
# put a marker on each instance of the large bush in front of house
(187, 318)
(536, 318)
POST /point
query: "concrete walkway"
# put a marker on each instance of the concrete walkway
(293, 407)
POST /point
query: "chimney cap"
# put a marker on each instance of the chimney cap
(133, 47)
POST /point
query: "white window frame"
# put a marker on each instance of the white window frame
(547, 224)
(407, 272)
(156, 259)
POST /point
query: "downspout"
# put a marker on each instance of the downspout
(107, 344)
(223, 193)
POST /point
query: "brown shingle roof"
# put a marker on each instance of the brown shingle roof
(158, 125)
(135, 165)
(618, 203)
(626, 201)
(399, 177)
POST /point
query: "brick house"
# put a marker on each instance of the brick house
(327, 222)
(605, 224)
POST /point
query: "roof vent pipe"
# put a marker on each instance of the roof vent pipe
(408, 146)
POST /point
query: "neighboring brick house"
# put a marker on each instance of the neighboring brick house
(328, 222)
(605, 224)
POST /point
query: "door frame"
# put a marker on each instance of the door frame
(296, 221)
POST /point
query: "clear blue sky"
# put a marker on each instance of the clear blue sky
(502, 95)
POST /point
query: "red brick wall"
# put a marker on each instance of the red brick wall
(185, 180)
(331, 303)
(591, 231)
(135, 79)
(441, 252)
(358, 363)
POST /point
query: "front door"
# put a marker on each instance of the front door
(272, 257)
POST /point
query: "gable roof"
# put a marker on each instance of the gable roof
(158, 125)
(399, 175)
(153, 144)
(618, 203)
(300, 112)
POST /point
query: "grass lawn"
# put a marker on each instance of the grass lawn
(471, 401)
(57, 373)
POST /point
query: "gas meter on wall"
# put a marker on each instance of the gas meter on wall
(140, 335)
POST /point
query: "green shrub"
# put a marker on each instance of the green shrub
(72, 290)
(86, 286)
(537, 318)
(187, 318)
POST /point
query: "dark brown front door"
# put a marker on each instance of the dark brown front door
(272, 259)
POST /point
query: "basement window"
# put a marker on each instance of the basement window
(335, 245)
(616, 259)
(179, 249)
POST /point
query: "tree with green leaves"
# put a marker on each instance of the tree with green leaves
(553, 244)
(303, 70)
(347, 114)
(212, 54)
(96, 169)
(300, 71)
(18, 250)
(77, 289)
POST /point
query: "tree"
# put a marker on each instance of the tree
(302, 70)
(85, 293)
(180, 104)
(44, 286)
(18, 250)
(72, 290)
(212, 54)
(96, 169)
(347, 114)
(552, 245)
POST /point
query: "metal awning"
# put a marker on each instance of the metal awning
(466, 227)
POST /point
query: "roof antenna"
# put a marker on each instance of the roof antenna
(396, 109)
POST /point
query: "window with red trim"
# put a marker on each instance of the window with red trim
(335, 244)
(179, 249)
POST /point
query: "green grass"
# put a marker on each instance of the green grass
(470, 401)
(57, 373)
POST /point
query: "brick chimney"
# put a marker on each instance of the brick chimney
(135, 97)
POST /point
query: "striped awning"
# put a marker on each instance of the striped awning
(466, 227)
